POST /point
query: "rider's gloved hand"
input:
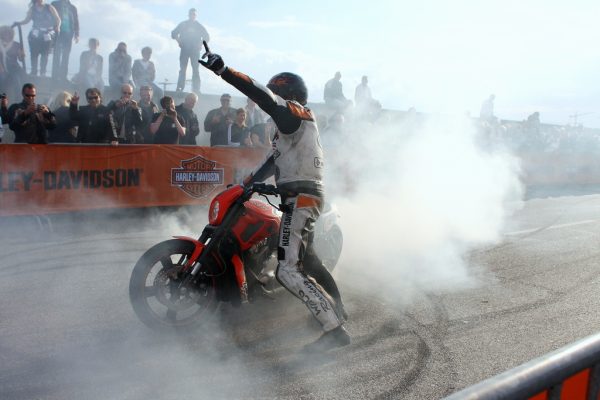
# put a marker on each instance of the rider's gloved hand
(214, 62)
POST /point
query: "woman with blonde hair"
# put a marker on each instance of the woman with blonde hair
(66, 128)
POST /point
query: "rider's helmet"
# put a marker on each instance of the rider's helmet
(289, 86)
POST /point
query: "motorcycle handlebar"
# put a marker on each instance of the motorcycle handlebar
(263, 188)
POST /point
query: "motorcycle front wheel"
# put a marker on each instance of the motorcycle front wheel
(157, 294)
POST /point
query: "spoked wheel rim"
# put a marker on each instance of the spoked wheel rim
(162, 299)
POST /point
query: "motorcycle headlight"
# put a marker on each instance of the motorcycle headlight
(213, 213)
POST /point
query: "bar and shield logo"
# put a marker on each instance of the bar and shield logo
(197, 176)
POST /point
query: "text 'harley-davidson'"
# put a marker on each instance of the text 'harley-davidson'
(179, 282)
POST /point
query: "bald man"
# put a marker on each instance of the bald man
(126, 117)
(186, 110)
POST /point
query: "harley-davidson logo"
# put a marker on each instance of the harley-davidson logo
(197, 176)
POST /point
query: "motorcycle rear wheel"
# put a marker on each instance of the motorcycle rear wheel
(155, 292)
(329, 247)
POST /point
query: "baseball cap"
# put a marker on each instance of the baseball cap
(226, 96)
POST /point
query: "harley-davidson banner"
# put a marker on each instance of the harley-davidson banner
(44, 179)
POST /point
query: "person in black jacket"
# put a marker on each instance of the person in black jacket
(127, 117)
(94, 119)
(192, 126)
(167, 127)
(30, 121)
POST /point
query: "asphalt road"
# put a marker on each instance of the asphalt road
(67, 330)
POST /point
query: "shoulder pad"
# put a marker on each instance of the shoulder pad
(300, 111)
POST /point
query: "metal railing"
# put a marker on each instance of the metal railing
(569, 373)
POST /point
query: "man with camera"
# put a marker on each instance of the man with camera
(167, 126)
(30, 121)
(126, 117)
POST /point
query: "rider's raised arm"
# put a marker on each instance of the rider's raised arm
(279, 109)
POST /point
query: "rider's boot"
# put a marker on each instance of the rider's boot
(332, 339)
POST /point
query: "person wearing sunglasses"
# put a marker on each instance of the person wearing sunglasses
(29, 120)
(94, 119)
(127, 117)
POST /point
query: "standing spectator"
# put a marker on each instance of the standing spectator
(90, 67)
(69, 31)
(333, 93)
(366, 106)
(167, 127)
(11, 72)
(126, 117)
(4, 108)
(253, 114)
(217, 121)
(192, 126)
(66, 129)
(119, 68)
(3, 114)
(362, 93)
(237, 131)
(261, 134)
(46, 23)
(30, 121)
(487, 109)
(144, 72)
(148, 110)
(189, 35)
(93, 119)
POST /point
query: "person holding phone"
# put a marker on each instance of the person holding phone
(29, 120)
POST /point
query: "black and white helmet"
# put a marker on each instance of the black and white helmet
(289, 86)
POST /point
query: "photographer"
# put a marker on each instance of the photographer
(30, 121)
(127, 117)
(167, 127)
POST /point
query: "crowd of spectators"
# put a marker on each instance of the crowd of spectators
(132, 109)
(115, 113)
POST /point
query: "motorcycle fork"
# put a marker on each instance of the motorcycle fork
(202, 251)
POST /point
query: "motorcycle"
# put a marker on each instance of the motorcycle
(178, 283)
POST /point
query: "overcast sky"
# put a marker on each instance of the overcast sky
(438, 56)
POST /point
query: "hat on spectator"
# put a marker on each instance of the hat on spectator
(226, 96)
(192, 10)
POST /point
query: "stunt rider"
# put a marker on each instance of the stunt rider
(296, 160)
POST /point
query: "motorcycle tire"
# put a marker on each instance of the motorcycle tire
(157, 298)
(329, 247)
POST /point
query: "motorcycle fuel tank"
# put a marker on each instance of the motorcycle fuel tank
(258, 222)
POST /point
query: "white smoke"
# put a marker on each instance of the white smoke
(415, 200)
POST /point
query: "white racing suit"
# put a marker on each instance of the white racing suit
(296, 160)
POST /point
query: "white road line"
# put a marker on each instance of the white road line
(526, 231)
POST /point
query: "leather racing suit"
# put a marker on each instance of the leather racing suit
(296, 160)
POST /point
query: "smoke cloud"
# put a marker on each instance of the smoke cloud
(415, 197)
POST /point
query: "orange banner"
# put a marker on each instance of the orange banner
(45, 179)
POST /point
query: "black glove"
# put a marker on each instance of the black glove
(214, 62)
